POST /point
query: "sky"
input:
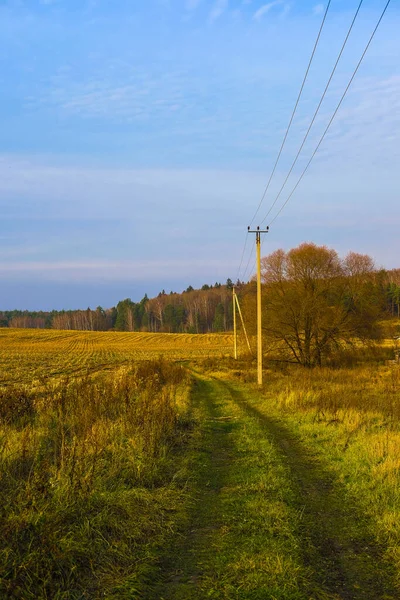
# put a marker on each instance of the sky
(137, 138)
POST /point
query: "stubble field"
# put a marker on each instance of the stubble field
(33, 355)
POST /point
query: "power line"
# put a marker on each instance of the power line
(315, 113)
(248, 263)
(293, 113)
(242, 257)
(285, 136)
(334, 114)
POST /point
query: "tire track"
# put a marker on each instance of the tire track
(337, 541)
(188, 561)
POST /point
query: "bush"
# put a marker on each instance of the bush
(16, 406)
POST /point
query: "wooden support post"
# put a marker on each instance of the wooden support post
(234, 325)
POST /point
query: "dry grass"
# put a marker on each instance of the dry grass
(351, 418)
(85, 473)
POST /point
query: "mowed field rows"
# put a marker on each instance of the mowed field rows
(32, 355)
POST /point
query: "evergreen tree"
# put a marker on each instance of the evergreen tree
(218, 323)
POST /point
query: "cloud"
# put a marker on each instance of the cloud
(218, 9)
(318, 9)
(192, 4)
(113, 271)
(87, 220)
(64, 191)
(119, 92)
(286, 10)
(79, 223)
(367, 120)
(265, 9)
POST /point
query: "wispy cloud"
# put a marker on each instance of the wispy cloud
(318, 9)
(133, 94)
(286, 10)
(113, 271)
(368, 119)
(263, 10)
(220, 6)
(89, 189)
(192, 4)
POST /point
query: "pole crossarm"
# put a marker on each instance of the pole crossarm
(258, 233)
(258, 230)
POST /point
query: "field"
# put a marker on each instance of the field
(152, 467)
(33, 355)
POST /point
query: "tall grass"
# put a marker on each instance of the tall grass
(368, 389)
(84, 468)
(350, 418)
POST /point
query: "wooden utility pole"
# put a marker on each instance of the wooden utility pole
(258, 233)
(234, 324)
(236, 304)
(243, 325)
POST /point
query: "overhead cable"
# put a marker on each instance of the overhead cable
(315, 113)
(286, 133)
(293, 113)
(251, 256)
(334, 114)
(242, 257)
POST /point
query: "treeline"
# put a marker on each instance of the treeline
(393, 292)
(206, 310)
(86, 320)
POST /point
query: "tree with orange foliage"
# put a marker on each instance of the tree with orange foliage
(317, 303)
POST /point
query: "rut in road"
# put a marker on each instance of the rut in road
(346, 558)
(189, 560)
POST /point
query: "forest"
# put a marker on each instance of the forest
(205, 310)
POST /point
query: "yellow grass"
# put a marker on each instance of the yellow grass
(30, 356)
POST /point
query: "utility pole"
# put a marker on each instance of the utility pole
(236, 304)
(243, 325)
(258, 233)
(234, 324)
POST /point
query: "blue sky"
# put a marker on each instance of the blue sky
(137, 138)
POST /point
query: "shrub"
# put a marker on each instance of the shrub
(16, 406)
